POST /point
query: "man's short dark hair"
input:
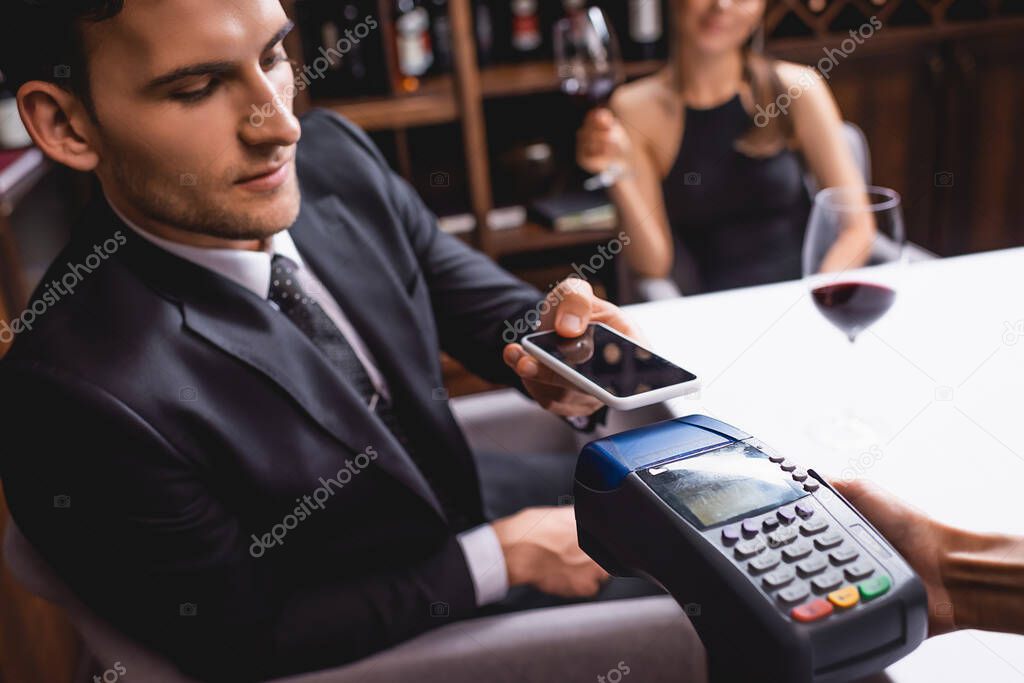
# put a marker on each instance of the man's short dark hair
(41, 40)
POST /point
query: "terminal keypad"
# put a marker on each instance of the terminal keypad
(806, 562)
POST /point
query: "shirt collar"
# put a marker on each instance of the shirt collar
(250, 269)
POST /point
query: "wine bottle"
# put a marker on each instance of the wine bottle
(357, 66)
(441, 31)
(413, 45)
(342, 49)
(312, 19)
(330, 34)
(483, 21)
(526, 37)
(646, 37)
(367, 66)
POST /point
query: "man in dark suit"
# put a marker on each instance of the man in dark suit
(224, 431)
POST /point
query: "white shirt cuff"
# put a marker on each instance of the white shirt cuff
(486, 564)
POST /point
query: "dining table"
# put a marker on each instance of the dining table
(936, 387)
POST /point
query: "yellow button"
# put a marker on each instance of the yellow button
(847, 596)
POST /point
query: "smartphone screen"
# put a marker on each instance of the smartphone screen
(613, 362)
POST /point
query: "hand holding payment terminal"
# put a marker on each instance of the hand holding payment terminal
(783, 580)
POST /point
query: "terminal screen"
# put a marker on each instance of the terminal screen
(723, 485)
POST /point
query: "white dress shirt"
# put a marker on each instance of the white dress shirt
(252, 270)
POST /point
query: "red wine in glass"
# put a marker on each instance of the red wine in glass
(852, 259)
(853, 306)
(596, 93)
(589, 65)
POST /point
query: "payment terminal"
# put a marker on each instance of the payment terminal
(781, 577)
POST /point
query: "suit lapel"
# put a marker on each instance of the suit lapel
(246, 327)
(363, 279)
(364, 282)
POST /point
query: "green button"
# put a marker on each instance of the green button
(872, 588)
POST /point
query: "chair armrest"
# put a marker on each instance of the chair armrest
(575, 644)
(505, 421)
(30, 570)
(656, 289)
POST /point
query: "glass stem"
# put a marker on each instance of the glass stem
(849, 380)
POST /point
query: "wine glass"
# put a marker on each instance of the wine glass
(853, 257)
(590, 67)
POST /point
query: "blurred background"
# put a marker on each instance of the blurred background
(463, 97)
(465, 100)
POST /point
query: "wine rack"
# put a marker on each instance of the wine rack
(824, 18)
(796, 30)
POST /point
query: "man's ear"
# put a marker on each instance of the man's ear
(59, 124)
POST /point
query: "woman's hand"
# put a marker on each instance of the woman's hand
(922, 541)
(603, 142)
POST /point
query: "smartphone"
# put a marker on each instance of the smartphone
(611, 367)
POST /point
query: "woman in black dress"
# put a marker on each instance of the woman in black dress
(712, 191)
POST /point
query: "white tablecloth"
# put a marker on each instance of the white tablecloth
(941, 377)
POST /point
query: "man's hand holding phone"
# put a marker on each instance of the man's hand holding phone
(573, 307)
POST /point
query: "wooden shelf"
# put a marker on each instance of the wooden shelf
(532, 237)
(793, 32)
(435, 103)
(432, 104)
(509, 80)
(895, 37)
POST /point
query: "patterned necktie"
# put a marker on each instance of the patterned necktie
(311, 319)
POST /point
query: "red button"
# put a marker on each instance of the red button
(812, 611)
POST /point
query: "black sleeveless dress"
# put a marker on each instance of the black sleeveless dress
(736, 220)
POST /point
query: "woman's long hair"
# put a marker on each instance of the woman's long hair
(765, 87)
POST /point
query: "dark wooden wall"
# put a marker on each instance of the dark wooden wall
(939, 92)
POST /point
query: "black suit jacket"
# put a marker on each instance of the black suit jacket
(161, 416)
